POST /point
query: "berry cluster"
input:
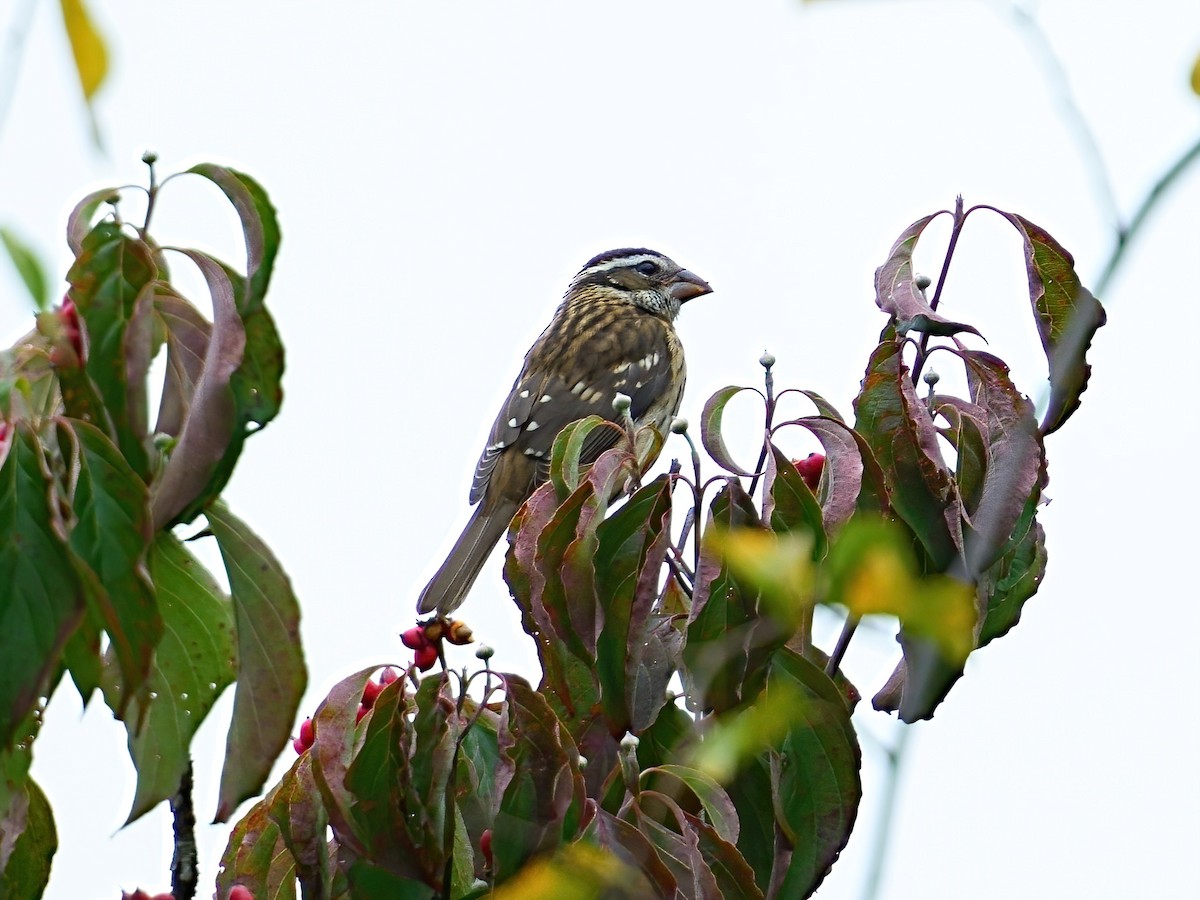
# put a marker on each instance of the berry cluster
(308, 729)
(425, 640)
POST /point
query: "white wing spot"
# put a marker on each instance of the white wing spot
(579, 386)
(523, 394)
(512, 423)
(545, 398)
(654, 363)
(621, 368)
(532, 426)
(529, 451)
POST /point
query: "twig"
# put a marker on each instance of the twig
(184, 872)
(883, 828)
(1153, 196)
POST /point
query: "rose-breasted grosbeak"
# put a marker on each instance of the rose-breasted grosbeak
(612, 334)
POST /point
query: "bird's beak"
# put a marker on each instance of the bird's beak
(687, 286)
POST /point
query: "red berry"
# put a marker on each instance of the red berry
(424, 658)
(362, 711)
(370, 692)
(810, 469)
(308, 734)
(166, 896)
(485, 846)
(458, 633)
(414, 638)
(240, 892)
(388, 675)
(138, 894)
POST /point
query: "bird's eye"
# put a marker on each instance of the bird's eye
(647, 267)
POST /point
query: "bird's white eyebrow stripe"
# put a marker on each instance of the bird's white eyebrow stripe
(622, 262)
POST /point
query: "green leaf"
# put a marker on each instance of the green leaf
(710, 428)
(333, 751)
(112, 535)
(750, 790)
(271, 672)
(1014, 577)
(897, 294)
(790, 504)
(718, 808)
(399, 780)
(814, 775)
(111, 283)
(87, 47)
(1067, 318)
(42, 602)
(29, 267)
(574, 446)
(25, 861)
(195, 662)
(728, 639)
(295, 807)
(257, 857)
(632, 545)
(542, 790)
(901, 434)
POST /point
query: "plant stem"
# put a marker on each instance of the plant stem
(843, 643)
(184, 873)
(883, 829)
(1153, 196)
(956, 230)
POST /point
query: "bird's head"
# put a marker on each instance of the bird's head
(641, 277)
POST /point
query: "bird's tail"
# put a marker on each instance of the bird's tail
(449, 586)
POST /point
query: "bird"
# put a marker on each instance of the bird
(613, 333)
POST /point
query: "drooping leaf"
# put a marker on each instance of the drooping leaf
(259, 225)
(1066, 314)
(189, 479)
(624, 842)
(814, 775)
(110, 281)
(187, 336)
(271, 671)
(897, 294)
(1014, 577)
(574, 446)
(196, 660)
(28, 266)
(79, 222)
(111, 535)
(902, 436)
(718, 808)
(710, 428)
(42, 601)
(28, 842)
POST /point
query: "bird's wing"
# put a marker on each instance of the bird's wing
(629, 360)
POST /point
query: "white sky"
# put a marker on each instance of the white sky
(441, 170)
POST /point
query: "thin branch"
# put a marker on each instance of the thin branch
(12, 53)
(1054, 76)
(1126, 235)
(883, 828)
(184, 872)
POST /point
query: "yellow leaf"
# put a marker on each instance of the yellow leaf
(87, 46)
(576, 872)
(1196, 76)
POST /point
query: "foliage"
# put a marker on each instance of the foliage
(98, 585)
(744, 783)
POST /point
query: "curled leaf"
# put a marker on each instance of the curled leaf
(710, 428)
